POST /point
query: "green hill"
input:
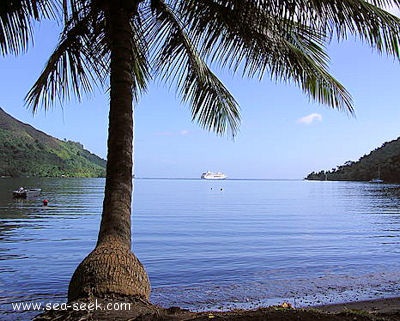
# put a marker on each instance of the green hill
(383, 162)
(26, 151)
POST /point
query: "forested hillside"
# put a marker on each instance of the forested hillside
(25, 151)
(383, 162)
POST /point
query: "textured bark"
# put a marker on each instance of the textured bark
(112, 268)
(109, 270)
(118, 192)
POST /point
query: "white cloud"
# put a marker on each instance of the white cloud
(307, 120)
(183, 132)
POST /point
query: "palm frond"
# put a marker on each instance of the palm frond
(82, 58)
(312, 77)
(16, 19)
(140, 63)
(367, 20)
(79, 61)
(257, 43)
(177, 60)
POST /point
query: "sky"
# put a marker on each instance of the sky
(283, 135)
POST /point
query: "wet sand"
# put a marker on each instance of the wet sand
(374, 310)
(391, 305)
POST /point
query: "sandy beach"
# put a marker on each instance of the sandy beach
(390, 305)
(381, 309)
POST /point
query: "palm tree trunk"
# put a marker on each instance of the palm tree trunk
(115, 224)
(112, 268)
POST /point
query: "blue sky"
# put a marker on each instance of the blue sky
(282, 135)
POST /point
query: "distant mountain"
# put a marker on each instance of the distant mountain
(26, 151)
(383, 162)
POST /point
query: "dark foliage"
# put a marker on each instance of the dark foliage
(383, 163)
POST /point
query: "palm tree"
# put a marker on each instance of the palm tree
(123, 44)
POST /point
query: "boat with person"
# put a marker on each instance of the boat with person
(23, 192)
(213, 175)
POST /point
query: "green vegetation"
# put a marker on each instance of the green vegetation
(25, 151)
(383, 163)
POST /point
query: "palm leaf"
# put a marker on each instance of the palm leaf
(364, 19)
(16, 18)
(177, 60)
(140, 54)
(257, 43)
(82, 59)
(79, 61)
(314, 78)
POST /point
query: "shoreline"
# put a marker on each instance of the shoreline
(387, 309)
(384, 305)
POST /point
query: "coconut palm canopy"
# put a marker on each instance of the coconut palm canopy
(121, 45)
(176, 41)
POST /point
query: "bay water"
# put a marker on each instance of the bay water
(209, 245)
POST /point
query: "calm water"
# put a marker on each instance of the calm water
(210, 244)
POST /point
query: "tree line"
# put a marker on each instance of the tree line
(382, 162)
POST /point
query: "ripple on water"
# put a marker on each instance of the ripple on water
(211, 245)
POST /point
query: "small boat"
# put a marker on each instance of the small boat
(26, 192)
(212, 175)
(378, 179)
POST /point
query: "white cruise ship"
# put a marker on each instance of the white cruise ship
(213, 175)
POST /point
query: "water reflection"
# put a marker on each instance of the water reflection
(41, 245)
(210, 244)
(385, 212)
